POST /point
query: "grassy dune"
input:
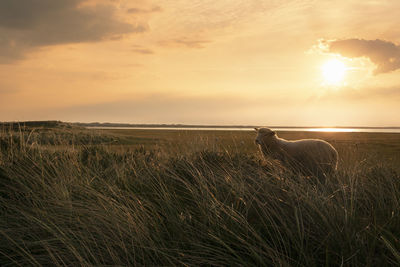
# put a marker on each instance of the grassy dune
(146, 197)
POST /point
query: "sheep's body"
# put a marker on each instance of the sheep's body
(310, 156)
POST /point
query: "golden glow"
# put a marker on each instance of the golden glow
(342, 130)
(334, 72)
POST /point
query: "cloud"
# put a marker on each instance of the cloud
(141, 50)
(184, 42)
(7, 89)
(173, 108)
(385, 55)
(26, 25)
(142, 10)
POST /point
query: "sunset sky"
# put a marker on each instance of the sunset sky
(225, 62)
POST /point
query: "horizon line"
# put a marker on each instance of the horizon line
(173, 125)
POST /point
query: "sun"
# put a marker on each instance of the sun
(334, 72)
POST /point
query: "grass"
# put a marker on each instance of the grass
(135, 197)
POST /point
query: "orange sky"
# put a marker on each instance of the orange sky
(200, 61)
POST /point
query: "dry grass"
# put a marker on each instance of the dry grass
(194, 198)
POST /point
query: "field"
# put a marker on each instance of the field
(77, 197)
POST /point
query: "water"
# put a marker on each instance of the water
(310, 129)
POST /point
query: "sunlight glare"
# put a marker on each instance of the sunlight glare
(333, 72)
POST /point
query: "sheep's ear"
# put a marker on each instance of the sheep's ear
(256, 129)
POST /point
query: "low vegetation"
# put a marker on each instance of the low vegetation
(77, 197)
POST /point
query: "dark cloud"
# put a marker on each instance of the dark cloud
(30, 24)
(385, 55)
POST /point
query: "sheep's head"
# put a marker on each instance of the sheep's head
(264, 135)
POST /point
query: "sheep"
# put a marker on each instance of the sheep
(307, 156)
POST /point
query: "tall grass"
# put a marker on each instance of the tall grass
(93, 205)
